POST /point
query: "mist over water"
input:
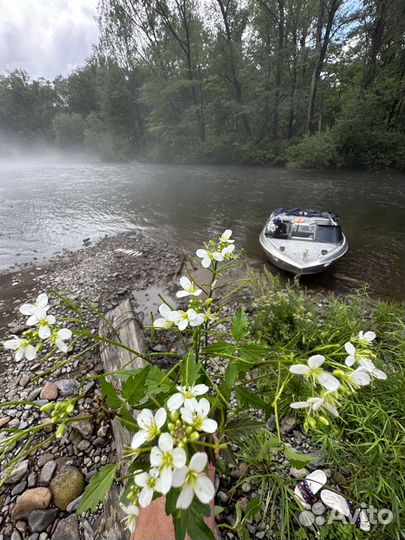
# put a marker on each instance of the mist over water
(50, 203)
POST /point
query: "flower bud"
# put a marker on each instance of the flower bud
(323, 420)
(208, 302)
(184, 441)
(189, 429)
(60, 431)
(175, 416)
(178, 423)
(194, 436)
(171, 426)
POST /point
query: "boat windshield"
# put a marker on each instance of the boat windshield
(331, 234)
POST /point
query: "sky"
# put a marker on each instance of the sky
(46, 37)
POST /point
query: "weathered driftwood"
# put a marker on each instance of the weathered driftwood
(130, 333)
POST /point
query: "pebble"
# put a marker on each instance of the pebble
(19, 471)
(67, 387)
(246, 487)
(32, 499)
(49, 391)
(19, 488)
(39, 520)
(45, 458)
(299, 473)
(67, 485)
(32, 480)
(67, 529)
(240, 471)
(74, 505)
(47, 472)
(25, 379)
(84, 427)
(15, 535)
(4, 420)
(288, 423)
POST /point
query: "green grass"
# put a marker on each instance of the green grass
(367, 442)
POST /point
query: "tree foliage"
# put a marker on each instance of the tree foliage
(234, 80)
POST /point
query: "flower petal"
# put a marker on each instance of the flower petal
(156, 457)
(206, 262)
(160, 417)
(64, 334)
(138, 439)
(166, 442)
(200, 389)
(204, 489)
(27, 309)
(197, 319)
(328, 381)
(209, 425)
(30, 352)
(360, 377)
(145, 497)
(165, 480)
(19, 355)
(182, 294)
(179, 457)
(42, 300)
(350, 360)
(145, 418)
(218, 256)
(187, 415)
(203, 407)
(182, 325)
(32, 320)
(141, 479)
(175, 402)
(61, 345)
(350, 348)
(201, 253)
(164, 310)
(185, 283)
(378, 374)
(198, 462)
(179, 476)
(316, 361)
(299, 404)
(44, 332)
(299, 369)
(185, 497)
(369, 336)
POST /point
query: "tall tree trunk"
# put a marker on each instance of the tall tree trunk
(321, 48)
(279, 66)
(376, 37)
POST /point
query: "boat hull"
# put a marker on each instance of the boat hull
(281, 260)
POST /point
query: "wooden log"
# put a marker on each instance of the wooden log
(130, 333)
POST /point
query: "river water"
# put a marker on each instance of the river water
(46, 207)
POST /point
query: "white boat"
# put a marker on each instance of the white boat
(303, 241)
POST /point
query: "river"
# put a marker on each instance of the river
(48, 207)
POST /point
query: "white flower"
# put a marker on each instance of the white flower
(208, 256)
(166, 321)
(186, 396)
(359, 377)
(225, 237)
(150, 426)
(165, 458)
(193, 480)
(184, 318)
(313, 370)
(44, 326)
(227, 250)
(189, 288)
(196, 415)
(315, 404)
(59, 338)
(149, 481)
(36, 311)
(132, 513)
(365, 338)
(21, 347)
(363, 361)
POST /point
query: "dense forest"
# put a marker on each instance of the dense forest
(311, 83)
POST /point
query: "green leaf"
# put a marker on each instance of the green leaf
(180, 520)
(231, 374)
(239, 427)
(127, 420)
(220, 348)
(253, 507)
(112, 398)
(157, 382)
(240, 325)
(98, 488)
(247, 398)
(134, 388)
(189, 369)
(196, 526)
(126, 373)
(297, 460)
(171, 499)
(253, 351)
(270, 443)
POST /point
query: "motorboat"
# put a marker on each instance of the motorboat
(303, 241)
